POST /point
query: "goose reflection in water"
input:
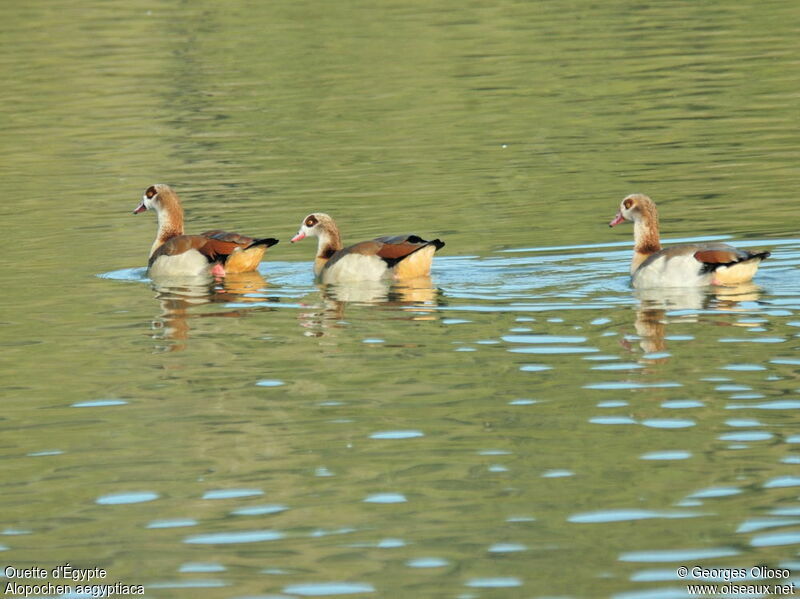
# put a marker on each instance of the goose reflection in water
(181, 297)
(414, 299)
(652, 316)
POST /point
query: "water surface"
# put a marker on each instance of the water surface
(520, 424)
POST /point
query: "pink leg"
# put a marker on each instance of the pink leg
(218, 270)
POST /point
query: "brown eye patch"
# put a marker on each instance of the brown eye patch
(311, 221)
(151, 192)
(628, 203)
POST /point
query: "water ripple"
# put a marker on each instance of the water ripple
(553, 349)
(494, 583)
(126, 498)
(507, 548)
(225, 538)
(678, 555)
(410, 434)
(199, 567)
(625, 385)
(320, 589)
(778, 404)
(386, 498)
(782, 482)
(776, 539)
(172, 523)
(667, 455)
(625, 515)
(746, 436)
(231, 493)
(427, 562)
(259, 510)
(668, 423)
(712, 492)
(99, 403)
(756, 524)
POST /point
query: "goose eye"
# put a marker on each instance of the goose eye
(628, 204)
(310, 222)
(150, 193)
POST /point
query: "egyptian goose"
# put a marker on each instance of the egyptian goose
(213, 252)
(398, 257)
(688, 265)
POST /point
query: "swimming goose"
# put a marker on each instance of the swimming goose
(214, 252)
(688, 265)
(398, 257)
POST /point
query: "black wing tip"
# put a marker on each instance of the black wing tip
(417, 239)
(760, 255)
(267, 241)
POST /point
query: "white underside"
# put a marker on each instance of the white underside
(356, 267)
(187, 264)
(677, 271)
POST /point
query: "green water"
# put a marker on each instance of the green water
(523, 425)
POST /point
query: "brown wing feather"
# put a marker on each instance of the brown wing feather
(720, 256)
(227, 236)
(395, 251)
(216, 248)
(367, 248)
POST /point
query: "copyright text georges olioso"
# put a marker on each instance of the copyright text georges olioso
(758, 580)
